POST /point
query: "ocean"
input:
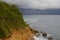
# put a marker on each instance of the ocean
(45, 23)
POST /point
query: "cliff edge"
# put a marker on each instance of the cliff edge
(12, 24)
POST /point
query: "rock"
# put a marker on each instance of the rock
(44, 34)
(50, 38)
(36, 31)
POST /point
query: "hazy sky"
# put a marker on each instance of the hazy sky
(36, 4)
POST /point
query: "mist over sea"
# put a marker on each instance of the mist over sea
(46, 23)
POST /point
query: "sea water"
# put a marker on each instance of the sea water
(46, 23)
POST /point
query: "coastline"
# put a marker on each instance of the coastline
(28, 33)
(22, 34)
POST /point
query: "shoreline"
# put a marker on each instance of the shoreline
(27, 33)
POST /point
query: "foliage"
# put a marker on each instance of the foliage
(10, 18)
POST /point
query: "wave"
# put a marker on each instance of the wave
(41, 37)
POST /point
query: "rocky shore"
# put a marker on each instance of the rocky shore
(27, 34)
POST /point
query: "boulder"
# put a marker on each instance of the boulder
(50, 38)
(44, 34)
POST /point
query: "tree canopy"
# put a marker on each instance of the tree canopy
(10, 18)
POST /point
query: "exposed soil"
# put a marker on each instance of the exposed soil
(22, 34)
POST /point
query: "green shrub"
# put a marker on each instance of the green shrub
(10, 18)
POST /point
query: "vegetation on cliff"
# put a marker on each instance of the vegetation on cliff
(10, 18)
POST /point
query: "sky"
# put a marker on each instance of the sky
(36, 4)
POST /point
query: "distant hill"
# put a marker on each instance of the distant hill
(40, 12)
(10, 18)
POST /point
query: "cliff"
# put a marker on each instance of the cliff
(22, 34)
(12, 24)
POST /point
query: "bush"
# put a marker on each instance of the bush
(10, 17)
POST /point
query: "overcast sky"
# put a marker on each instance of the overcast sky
(36, 4)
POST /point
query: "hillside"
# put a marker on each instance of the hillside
(11, 19)
(40, 12)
